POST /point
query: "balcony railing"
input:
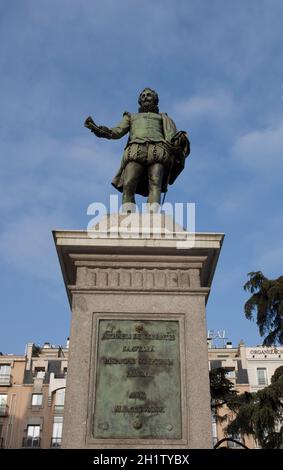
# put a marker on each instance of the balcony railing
(4, 410)
(5, 379)
(56, 442)
(33, 442)
(58, 409)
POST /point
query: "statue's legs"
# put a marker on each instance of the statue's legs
(132, 174)
(155, 176)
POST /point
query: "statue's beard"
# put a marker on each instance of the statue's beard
(149, 108)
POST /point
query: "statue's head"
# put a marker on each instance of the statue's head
(148, 101)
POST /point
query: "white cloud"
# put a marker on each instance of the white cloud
(266, 245)
(261, 150)
(268, 258)
(238, 198)
(43, 180)
(217, 105)
(26, 243)
(46, 171)
(258, 165)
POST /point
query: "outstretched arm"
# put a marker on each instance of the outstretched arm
(109, 133)
(99, 131)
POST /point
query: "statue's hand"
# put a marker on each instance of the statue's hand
(99, 131)
(89, 123)
(179, 139)
(181, 143)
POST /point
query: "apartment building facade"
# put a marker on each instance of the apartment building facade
(32, 390)
(250, 369)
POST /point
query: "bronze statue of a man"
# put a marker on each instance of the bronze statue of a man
(155, 152)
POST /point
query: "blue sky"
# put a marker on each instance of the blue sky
(217, 67)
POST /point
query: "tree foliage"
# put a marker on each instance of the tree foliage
(266, 302)
(221, 389)
(260, 414)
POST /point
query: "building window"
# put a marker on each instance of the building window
(215, 364)
(37, 399)
(230, 373)
(3, 405)
(261, 376)
(33, 436)
(214, 431)
(2, 444)
(5, 374)
(59, 400)
(39, 372)
(5, 369)
(57, 431)
(232, 444)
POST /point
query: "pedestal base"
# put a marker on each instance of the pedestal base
(138, 367)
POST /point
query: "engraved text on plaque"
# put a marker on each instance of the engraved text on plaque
(137, 391)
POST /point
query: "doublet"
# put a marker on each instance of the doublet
(146, 127)
(149, 142)
(146, 144)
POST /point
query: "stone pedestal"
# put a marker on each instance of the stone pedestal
(138, 366)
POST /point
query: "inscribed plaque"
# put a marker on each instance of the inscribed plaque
(137, 390)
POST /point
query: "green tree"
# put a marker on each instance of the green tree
(222, 393)
(221, 389)
(260, 414)
(266, 302)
